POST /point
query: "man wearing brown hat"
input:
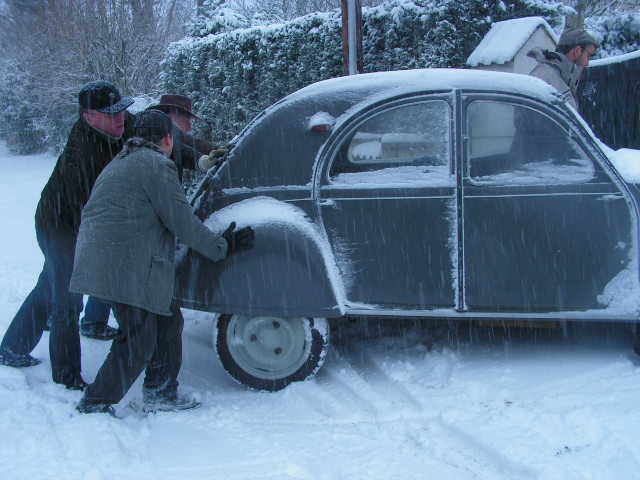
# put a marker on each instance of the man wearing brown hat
(201, 155)
(563, 68)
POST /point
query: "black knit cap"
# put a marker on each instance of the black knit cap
(152, 125)
(103, 97)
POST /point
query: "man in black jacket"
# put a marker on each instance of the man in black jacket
(94, 140)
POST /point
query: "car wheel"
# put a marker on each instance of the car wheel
(268, 353)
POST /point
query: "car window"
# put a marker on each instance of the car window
(407, 144)
(516, 145)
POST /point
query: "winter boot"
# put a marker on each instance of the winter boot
(86, 406)
(76, 383)
(71, 381)
(99, 332)
(154, 402)
(18, 360)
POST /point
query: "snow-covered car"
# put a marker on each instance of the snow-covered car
(450, 194)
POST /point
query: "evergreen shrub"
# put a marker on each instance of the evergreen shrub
(233, 75)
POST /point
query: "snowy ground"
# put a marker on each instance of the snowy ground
(483, 403)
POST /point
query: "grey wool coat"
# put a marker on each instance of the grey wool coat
(127, 237)
(559, 72)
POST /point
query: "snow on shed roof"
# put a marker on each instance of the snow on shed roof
(505, 39)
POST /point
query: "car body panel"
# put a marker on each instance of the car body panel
(267, 278)
(461, 248)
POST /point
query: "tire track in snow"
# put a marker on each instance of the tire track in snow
(316, 399)
(462, 450)
(393, 392)
(347, 398)
(348, 388)
(263, 471)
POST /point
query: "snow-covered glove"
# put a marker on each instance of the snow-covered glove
(238, 239)
(205, 162)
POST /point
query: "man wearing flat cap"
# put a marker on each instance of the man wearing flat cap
(563, 68)
(96, 137)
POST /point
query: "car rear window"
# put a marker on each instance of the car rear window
(407, 143)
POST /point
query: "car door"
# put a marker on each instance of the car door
(546, 225)
(386, 195)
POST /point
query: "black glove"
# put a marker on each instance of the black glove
(238, 239)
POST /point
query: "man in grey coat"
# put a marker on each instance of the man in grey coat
(563, 68)
(125, 256)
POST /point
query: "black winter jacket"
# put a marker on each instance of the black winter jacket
(86, 153)
(187, 150)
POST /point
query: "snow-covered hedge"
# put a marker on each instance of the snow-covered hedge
(231, 76)
(618, 34)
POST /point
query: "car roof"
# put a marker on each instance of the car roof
(430, 79)
(359, 90)
(278, 147)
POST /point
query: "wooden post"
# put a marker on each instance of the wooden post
(352, 36)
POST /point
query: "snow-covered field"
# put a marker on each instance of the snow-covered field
(480, 403)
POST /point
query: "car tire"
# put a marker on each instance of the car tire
(269, 353)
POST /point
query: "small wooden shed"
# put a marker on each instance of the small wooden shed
(504, 48)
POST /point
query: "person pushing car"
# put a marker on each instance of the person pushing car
(125, 256)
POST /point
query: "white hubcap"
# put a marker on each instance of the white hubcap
(269, 347)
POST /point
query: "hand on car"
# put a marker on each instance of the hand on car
(218, 152)
(238, 239)
(215, 156)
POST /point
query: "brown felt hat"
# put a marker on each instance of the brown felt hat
(171, 102)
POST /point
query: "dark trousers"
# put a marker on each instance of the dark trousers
(96, 314)
(146, 340)
(51, 298)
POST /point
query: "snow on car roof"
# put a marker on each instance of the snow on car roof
(504, 40)
(436, 79)
(358, 91)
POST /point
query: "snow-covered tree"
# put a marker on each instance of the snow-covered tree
(264, 12)
(58, 45)
(216, 16)
(232, 75)
(584, 9)
(618, 34)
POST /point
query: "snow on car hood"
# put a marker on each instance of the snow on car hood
(269, 211)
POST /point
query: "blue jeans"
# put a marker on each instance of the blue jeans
(96, 314)
(51, 298)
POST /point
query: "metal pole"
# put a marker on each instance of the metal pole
(352, 36)
(353, 47)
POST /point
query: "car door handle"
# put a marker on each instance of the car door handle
(327, 203)
(610, 196)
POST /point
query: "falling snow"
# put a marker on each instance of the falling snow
(467, 402)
